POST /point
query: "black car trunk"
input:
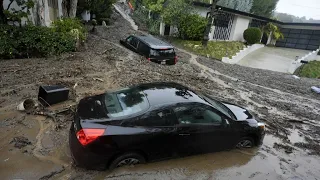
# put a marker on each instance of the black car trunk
(162, 54)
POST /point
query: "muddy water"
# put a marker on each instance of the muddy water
(21, 163)
(257, 163)
(44, 157)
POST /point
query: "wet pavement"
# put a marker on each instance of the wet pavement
(288, 107)
(272, 58)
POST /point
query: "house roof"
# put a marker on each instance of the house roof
(207, 5)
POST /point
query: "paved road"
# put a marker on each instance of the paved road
(275, 59)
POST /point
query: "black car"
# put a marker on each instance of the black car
(156, 121)
(153, 49)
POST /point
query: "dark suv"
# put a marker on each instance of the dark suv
(153, 49)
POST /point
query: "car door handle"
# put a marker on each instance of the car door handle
(184, 134)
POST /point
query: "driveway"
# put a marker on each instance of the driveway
(272, 58)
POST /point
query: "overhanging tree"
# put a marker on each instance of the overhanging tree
(240, 5)
(264, 7)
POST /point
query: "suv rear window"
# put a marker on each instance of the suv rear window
(125, 102)
(162, 52)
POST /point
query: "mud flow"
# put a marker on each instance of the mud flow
(36, 146)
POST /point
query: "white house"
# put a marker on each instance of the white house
(43, 13)
(229, 25)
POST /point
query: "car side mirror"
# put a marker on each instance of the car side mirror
(225, 123)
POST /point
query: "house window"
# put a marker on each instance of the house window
(53, 4)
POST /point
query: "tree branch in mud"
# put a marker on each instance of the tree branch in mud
(53, 173)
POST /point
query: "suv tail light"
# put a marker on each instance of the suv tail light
(149, 59)
(86, 136)
(175, 59)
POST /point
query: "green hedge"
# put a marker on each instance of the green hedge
(192, 27)
(33, 41)
(65, 25)
(252, 35)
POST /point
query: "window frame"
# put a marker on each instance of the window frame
(148, 114)
(224, 118)
(133, 39)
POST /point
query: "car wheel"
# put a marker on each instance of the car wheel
(127, 160)
(246, 142)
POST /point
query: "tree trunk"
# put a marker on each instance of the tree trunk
(73, 8)
(3, 18)
(65, 8)
(209, 24)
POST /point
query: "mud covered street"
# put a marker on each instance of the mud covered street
(291, 148)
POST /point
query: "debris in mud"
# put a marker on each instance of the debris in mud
(287, 149)
(26, 105)
(315, 89)
(58, 171)
(98, 79)
(314, 147)
(20, 142)
(49, 95)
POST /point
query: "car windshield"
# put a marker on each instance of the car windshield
(219, 106)
(162, 52)
(125, 102)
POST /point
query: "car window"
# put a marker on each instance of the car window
(162, 52)
(144, 48)
(133, 41)
(163, 117)
(197, 115)
(125, 102)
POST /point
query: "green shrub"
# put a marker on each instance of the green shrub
(65, 26)
(33, 41)
(252, 35)
(192, 27)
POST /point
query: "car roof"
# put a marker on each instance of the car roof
(168, 93)
(153, 42)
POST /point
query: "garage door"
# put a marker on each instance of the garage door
(300, 39)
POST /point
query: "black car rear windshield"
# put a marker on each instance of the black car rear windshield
(125, 102)
(162, 52)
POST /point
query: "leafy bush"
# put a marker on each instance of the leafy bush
(252, 35)
(192, 27)
(33, 41)
(65, 26)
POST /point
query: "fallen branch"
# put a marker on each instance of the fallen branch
(98, 79)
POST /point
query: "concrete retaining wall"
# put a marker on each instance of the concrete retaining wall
(309, 57)
(235, 59)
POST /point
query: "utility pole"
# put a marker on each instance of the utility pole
(209, 24)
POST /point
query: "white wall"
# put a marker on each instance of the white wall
(240, 24)
(202, 11)
(16, 7)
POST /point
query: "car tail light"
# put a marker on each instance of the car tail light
(86, 136)
(175, 59)
(148, 59)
